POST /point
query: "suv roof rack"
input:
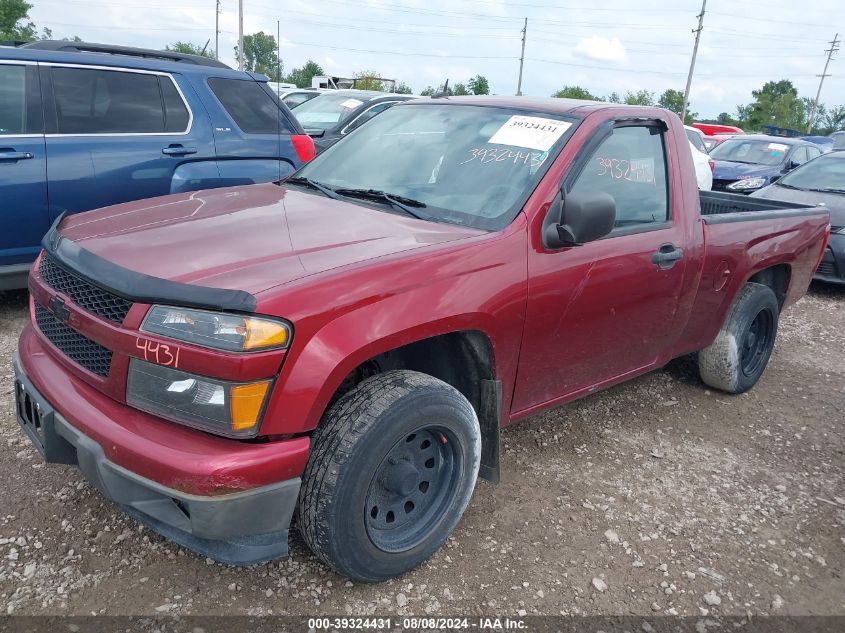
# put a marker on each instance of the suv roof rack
(88, 47)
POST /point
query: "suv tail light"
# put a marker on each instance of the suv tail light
(712, 164)
(304, 146)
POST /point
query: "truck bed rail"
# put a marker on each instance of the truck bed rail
(718, 207)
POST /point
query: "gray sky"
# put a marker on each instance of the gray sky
(612, 45)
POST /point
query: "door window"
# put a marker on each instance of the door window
(630, 165)
(20, 110)
(813, 152)
(90, 101)
(253, 110)
(367, 115)
(799, 157)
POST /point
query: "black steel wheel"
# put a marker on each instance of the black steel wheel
(737, 358)
(412, 489)
(758, 343)
(392, 468)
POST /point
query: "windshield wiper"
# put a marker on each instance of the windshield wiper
(400, 202)
(830, 190)
(302, 180)
(783, 184)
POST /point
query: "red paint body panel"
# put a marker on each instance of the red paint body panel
(356, 282)
(710, 129)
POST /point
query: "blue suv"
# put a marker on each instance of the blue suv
(84, 126)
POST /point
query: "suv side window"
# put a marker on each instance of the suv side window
(252, 109)
(92, 101)
(813, 152)
(630, 165)
(20, 101)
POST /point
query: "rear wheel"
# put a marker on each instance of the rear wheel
(392, 468)
(737, 358)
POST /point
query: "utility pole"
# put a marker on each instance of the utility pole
(522, 59)
(278, 51)
(240, 34)
(692, 62)
(217, 30)
(834, 47)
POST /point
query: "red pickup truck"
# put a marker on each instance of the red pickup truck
(347, 345)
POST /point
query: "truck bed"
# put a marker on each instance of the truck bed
(718, 207)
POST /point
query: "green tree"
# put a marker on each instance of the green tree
(575, 92)
(726, 119)
(368, 80)
(302, 76)
(402, 88)
(640, 97)
(428, 91)
(460, 90)
(479, 85)
(14, 21)
(776, 103)
(832, 121)
(613, 97)
(260, 55)
(189, 48)
(673, 100)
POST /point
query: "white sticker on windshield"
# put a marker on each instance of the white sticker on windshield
(778, 147)
(351, 104)
(530, 131)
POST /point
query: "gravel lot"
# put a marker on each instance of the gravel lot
(655, 497)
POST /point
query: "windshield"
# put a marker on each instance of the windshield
(326, 111)
(826, 173)
(750, 151)
(464, 164)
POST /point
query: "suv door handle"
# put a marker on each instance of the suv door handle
(12, 155)
(666, 256)
(178, 150)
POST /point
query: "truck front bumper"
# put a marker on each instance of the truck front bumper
(239, 528)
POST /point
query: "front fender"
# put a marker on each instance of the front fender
(482, 291)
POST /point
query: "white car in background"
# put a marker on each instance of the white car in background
(703, 163)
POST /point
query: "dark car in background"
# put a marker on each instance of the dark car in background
(333, 114)
(85, 125)
(750, 162)
(820, 182)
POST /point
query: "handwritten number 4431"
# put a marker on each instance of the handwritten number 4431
(159, 353)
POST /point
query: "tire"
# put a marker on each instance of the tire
(400, 443)
(737, 358)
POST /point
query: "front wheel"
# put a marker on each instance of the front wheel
(392, 468)
(735, 361)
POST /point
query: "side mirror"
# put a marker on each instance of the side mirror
(582, 217)
(315, 133)
(792, 165)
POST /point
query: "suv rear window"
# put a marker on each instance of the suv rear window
(90, 101)
(20, 110)
(253, 110)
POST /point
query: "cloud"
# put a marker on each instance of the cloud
(601, 48)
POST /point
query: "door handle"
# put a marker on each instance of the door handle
(178, 150)
(12, 155)
(666, 256)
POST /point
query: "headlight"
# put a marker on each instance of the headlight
(218, 406)
(218, 330)
(747, 183)
(837, 230)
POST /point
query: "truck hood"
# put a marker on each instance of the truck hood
(248, 238)
(835, 202)
(729, 170)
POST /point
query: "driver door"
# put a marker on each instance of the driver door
(599, 311)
